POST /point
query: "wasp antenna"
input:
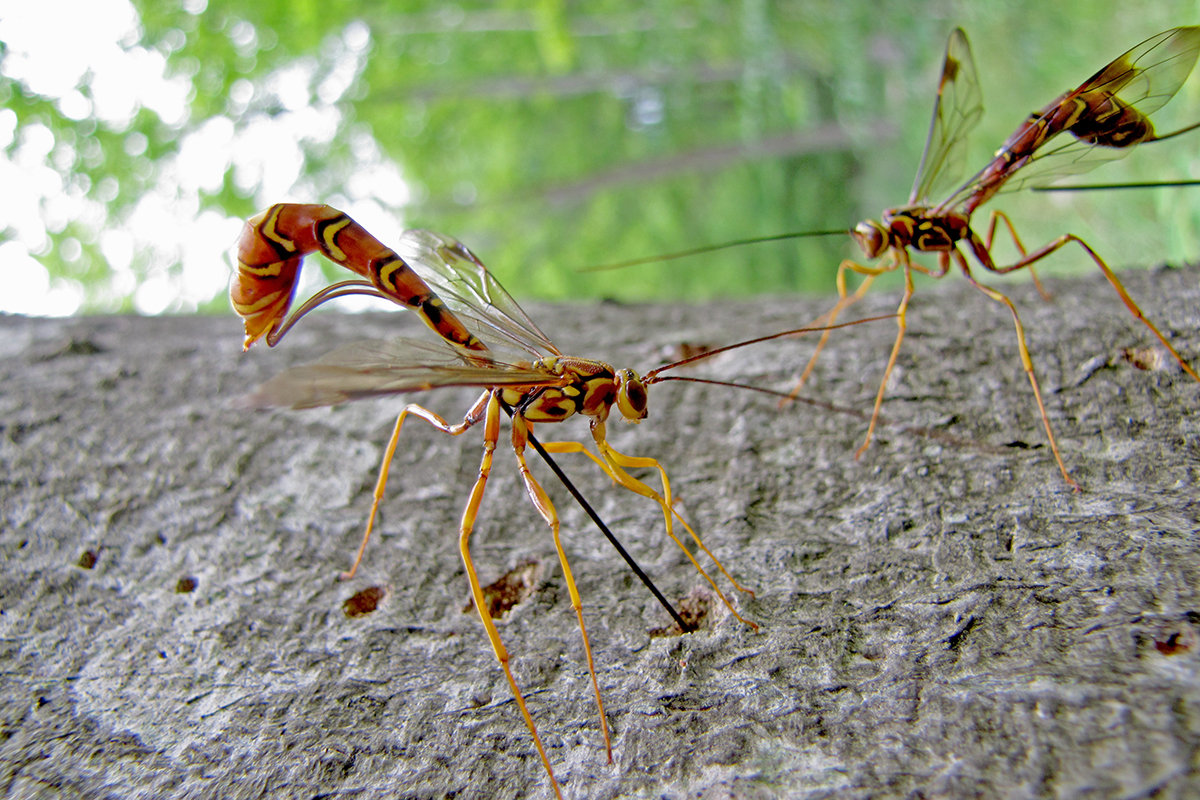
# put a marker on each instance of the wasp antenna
(712, 248)
(915, 430)
(1086, 187)
(651, 377)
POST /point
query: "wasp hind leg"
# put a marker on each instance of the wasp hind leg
(1029, 260)
(541, 501)
(471, 418)
(1026, 363)
(998, 216)
(490, 439)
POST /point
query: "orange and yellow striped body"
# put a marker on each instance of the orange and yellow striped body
(274, 243)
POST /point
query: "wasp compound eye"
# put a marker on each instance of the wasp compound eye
(632, 397)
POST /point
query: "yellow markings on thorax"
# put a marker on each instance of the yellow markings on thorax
(513, 397)
(590, 390)
(907, 225)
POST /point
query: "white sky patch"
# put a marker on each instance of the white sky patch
(26, 180)
(204, 155)
(212, 234)
(291, 84)
(8, 126)
(165, 251)
(117, 247)
(53, 43)
(268, 155)
(27, 288)
(154, 294)
(356, 38)
(177, 231)
(53, 47)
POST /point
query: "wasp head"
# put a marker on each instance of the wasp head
(632, 397)
(872, 237)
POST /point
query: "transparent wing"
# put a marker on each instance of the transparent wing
(472, 292)
(1145, 79)
(1132, 87)
(1059, 159)
(1150, 74)
(957, 111)
(374, 368)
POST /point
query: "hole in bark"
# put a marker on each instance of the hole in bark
(1173, 644)
(1147, 358)
(362, 603)
(511, 589)
(693, 609)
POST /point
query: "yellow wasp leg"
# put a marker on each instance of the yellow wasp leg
(997, 216)
(471, 418)
(1026, 362)
(612, 464)
(541, 501)
(830, 316)
(618, 462)
(1061, 241)
(943, 266)
(490, 438)
(901, 323)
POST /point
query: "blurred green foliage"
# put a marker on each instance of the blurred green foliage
(550, 136)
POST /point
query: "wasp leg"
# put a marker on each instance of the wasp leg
(490, 438)
(830, 316)
(541, 501)
(1061, 241)
(902, 325)
(997, 216)
(1026, 362)
(614, 464)
(471, 418)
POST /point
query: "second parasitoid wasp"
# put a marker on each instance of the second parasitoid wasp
(1101, 120)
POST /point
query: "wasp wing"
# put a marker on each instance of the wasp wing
(957, 111)
(472, 292)
(374, 368)
(1150, 74)
(1133, 86)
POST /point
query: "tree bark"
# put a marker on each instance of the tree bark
(943, 617)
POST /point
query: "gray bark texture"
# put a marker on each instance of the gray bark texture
(943, 617)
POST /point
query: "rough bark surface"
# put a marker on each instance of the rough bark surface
(943, 617)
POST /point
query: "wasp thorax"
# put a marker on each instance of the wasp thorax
(632, 398)
(871, 236)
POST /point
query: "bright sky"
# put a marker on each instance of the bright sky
(56, 47)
